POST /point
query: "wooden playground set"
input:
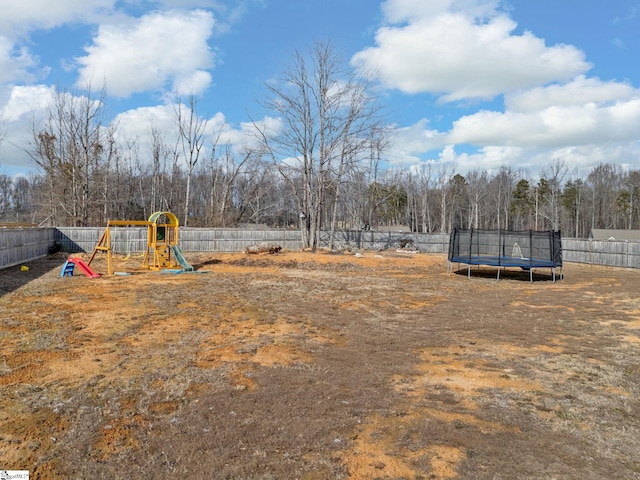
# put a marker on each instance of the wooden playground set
(162, 252)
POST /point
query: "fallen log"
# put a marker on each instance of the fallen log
(263, 247)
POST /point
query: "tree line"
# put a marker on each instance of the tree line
(322, 167)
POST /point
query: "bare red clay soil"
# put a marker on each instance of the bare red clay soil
(319, 366)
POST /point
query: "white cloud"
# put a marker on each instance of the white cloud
(534, 161)
(408, 144)
(486, 158)
(619, 43)
(632, 15)
(20, 17)
(14, 63)
(137, 124)
(399, 11)
(576, 157)
(26, 101)
(249, 137)
(467, 49)
(578, 92)
(227, 13)
(583, 112)
(160, 51)
(192, 83)
(461, 53)
(554, 127)
(21, 107)
(584, 121)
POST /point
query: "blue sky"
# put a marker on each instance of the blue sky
(475, 84)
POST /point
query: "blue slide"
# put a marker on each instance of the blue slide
(186, 266)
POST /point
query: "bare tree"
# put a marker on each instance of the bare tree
(191, 130)
(548, 198)
(477, 189)
(69, 149)
(6, 183)
(632, 187)
(224, 169)
(572, 199)
(159, 156)
(6, 200)
(106, 177)
(424, 179)
(327, 122)
(360, 132)
(257, 188)
(501, 188)
(445, 172)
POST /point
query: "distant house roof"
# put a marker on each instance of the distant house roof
(615, 235)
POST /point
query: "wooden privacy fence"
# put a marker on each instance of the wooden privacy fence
(133, 239)
(19, 245)
(597, 252)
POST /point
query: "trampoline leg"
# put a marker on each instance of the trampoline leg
(498, 277)
(469, 271)
(531, 275)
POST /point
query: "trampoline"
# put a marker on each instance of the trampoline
(525, 249)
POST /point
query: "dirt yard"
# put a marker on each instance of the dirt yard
(319, 366)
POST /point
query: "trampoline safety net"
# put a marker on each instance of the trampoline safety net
(527, 249)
